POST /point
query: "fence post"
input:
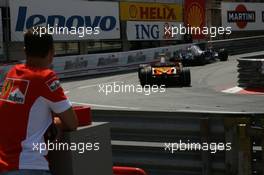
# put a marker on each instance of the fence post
(262, 146)
(231, 136)
(206, 157)
(245, 148)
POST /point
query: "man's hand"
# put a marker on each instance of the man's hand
(67, 120)
(59, 128)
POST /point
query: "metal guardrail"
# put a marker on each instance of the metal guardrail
(138, 139)
(240, 45)
(234, 46)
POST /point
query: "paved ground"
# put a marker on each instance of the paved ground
(204, 94)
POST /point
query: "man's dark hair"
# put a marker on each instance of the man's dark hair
(38, 42)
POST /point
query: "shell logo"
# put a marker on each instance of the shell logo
(195, 15)
(133, 11)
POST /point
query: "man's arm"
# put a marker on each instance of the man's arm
(53, 93)
(67, 120)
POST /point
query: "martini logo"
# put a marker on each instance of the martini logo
(14, 90)
(241, 16)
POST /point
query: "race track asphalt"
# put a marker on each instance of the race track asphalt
(205, 93)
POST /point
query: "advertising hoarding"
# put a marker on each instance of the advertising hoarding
(79, 65)
(1, 35)
(147, 30)
(133, 11)
(243, 16)
(70, 16)
(195, 15)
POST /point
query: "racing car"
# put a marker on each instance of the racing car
(168, 70)
(194, 55)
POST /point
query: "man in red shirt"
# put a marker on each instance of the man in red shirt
(31, 93)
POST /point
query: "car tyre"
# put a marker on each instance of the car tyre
(145, 76)
(186, 77)
(223, 55)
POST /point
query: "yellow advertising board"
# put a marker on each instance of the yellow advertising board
(133, 11)
(1, 35)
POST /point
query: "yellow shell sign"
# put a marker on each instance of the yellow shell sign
(130, 11)
(195, 16)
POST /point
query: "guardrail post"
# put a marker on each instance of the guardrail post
(206, 156)
(245, 148)
(231, 136)
(262, 156)
(262, 146)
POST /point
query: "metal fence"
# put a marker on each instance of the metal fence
(240, 45)
(139, 139)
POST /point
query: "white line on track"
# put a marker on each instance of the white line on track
(104, 106)
(94, 85)
(233, 90)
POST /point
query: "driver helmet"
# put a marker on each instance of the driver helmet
(162, 59)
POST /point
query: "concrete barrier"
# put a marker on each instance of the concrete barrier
(94, 159)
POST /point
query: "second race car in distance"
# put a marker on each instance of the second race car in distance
(168, 70)
(194, 55)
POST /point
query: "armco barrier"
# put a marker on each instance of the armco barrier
(72, 66)
(139, 137)
(240, 45)
(80, 65)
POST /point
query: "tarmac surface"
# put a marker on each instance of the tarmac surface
(205, 94)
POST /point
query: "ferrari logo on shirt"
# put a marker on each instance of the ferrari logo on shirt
(14, 90)
(7, 87)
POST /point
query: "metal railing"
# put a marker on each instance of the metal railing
(139, 137)
(240, 45)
